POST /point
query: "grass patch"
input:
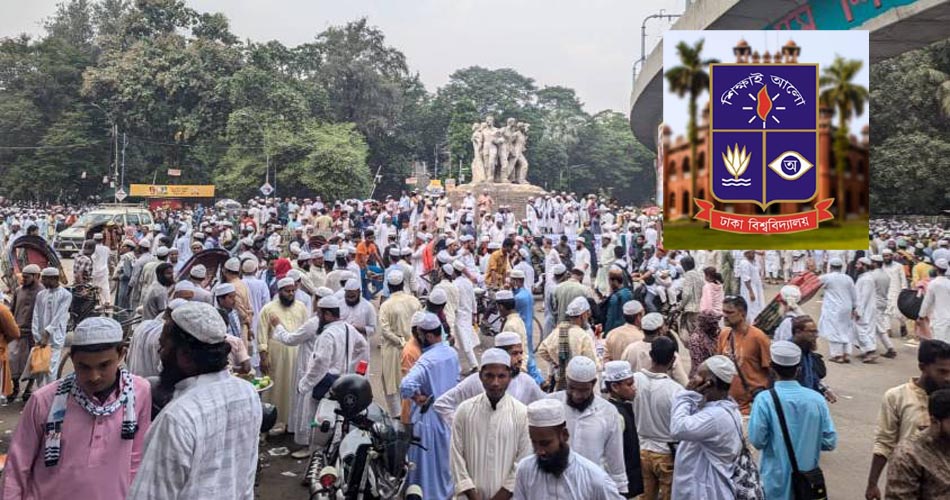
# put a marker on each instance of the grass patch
(830, 235)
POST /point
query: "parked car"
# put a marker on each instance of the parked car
(69, 241)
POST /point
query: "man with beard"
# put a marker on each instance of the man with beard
(521, 386)
(812, 367)
(303, 266)
(278, 360)
(197, 275)
(395, 315)
(898, 281)
(232, 275)
(567, 291)
(613, 304)
(638, 352)
(555, 471)
(156, 297)
(357, 311)
(488, 434)
(621, 390)
(571, 338)
(498, 265)
(748, 347)
(582, 259)
(919, 470)
(904, 408)
(206, 439)
(936, 304)
(123, 272)
(24, 299)
(50, 455)
(317, 274)
(433, 374)
(147, 275)
(593, 423)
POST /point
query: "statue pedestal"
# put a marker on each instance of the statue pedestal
(514, 195)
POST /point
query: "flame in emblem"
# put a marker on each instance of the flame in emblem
(764, 103)
(736, 161)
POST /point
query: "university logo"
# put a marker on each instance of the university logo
(763, 145)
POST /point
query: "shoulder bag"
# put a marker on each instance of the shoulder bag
(806, 485)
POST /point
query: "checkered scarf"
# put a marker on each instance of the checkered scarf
(67, 386)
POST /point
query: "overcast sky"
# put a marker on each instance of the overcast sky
(588, 45)
(817, 47)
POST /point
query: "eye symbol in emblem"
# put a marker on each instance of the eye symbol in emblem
(790, 165)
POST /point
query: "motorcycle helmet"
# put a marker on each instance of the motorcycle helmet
(353, 393)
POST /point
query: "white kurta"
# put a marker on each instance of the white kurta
(487, 444)
(749, 277)
(597, 434)
(582, 260)
(143, 359)
(864, 327)
(204, 443)
(464, 313)
(362, 315)
(838, 300)
(452, 302)
(936, 306)
(305, 407)
(523, 388)
(581, 479)
(50, 315)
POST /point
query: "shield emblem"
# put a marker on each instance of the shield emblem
(764, 133)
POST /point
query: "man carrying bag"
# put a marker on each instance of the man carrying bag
(791, 436)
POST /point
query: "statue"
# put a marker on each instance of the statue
(499, 152)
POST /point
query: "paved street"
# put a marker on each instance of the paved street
(859, 389)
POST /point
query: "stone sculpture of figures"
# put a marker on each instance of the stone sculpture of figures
(499, 152)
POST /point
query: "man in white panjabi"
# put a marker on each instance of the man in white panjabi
(866, 322)
(582, 259)
(465, 337)
(100, 270)
(750, 285)
(554, 471)
(395, 317)
(837, 311)
(895, 272)
(277, 359)
(50, 315)
(489, 433)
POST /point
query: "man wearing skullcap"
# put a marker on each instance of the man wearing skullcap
(570, 338)
(898, 281)
(231, 273)
(100, 270)
(839, 308)
(302, 265)
(638, 352)
(558, 275)
(621, 390)
(521, 387)
(554, 470)
(156, 297)
(498, 264)
(489, 432)
(206, 439)
(807, 424)
(626, 334)
(22, 305)
(870, 305)
(123, 273)
(147, 275)
(82, 264)
(582, 260)
(652, 409)
(258, 296)
(50, 315)
(936, 304)
(435, 372)
(708, 426)
(50, 455)
(356, 310)
(277, 360)
(567, 291)
(446, 273)
(395, 315)
(594, 424)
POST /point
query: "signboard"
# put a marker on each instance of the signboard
(174, 172)
(121, 194)
(169, 191)
(411, 181)
(449, 184)
(829, 15)
(267, 189)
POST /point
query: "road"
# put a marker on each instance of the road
(859, 388)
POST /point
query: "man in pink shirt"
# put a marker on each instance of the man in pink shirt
(82, 437)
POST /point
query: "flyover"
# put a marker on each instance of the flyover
(896, 26)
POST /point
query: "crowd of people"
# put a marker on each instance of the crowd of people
(643, 376)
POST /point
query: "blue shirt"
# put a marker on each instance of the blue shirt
(614, 316)
(524, 305)
(810, 429)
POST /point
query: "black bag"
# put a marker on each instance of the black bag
(806, 485)
(908, 303)
(323, 387)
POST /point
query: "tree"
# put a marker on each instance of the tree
(846, 98)
(908, 160)
(690, 78)
(616, 164)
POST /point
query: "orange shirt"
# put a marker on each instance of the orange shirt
(9, 331)
(364, 250)
(497, 269)
(753, 358)
(411, 353)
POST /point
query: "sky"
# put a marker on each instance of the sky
(719, 44)
(588, 45)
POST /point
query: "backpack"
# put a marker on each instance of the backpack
(745, 475)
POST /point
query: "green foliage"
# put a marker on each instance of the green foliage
(906, 174)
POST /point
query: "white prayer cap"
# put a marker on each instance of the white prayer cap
(466, 238)
(504, 295)
(197, 234)
(791, 294)
(404, 251)
(494, 245)
(438, 297)
(249, 266)
(887, 251)
(128, 243)
(448, 269)
(458, 265)
(942, 263)
(174, 303)
(304, 256)
(785, 353)
(184, 286)
(329, 302)
(351, 250)
(97, 236)
(484, 238)
(97, 330)
(495, 356)
(835, 262)
(864, 260)
(523, 252)
(417, 318)
(652, 322)
(202, 321)
(322, 291)
(198, 271)
(222, 289)
(722, 367)
(632, 308)
(505, 339)
(615, 371)
(352, 284)
(395, 277)
(517, 274)
(559, 269)
(546, 413)
(877, 258)
(341, 252)
(145, 244)
(31, 269)
(430, 322)
(284, 282)
(49, 272)
(577, 307)
(233, 264)
(161, 251)
(294, 248)
(582, 369)
(581, 239)
(248, 241)
(295, 275)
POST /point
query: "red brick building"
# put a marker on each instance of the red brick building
(677, 195)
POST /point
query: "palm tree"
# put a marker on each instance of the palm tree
(847, 99)
(691, 78)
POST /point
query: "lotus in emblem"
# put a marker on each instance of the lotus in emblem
(736, 161)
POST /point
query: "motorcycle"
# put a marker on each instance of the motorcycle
(361, 450)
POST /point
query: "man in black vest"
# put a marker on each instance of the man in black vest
(620, 389)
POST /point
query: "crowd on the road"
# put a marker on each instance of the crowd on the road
(650, 373)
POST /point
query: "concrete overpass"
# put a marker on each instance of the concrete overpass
(896, 26)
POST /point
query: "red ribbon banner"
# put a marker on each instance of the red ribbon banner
(764, 224)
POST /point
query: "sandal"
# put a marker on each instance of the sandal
(836, 359)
